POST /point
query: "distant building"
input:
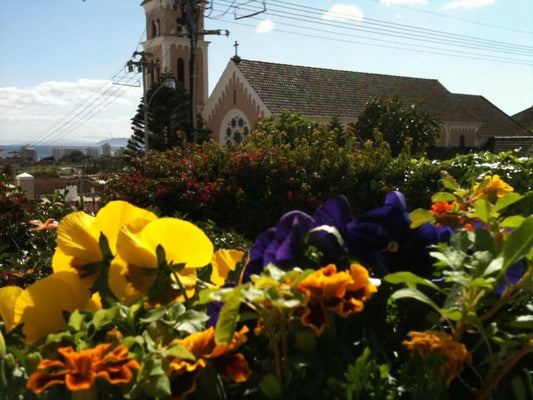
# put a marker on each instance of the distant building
(106, 150)
(28, 154)
(59, 153)
(92, 152)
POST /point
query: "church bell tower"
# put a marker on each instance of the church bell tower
(168, 43)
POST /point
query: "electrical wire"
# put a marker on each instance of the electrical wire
(445, 48)
(417, 49)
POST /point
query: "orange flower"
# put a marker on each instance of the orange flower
(436, 342)
(326, 289)
(231, 365)
(80, 369)
(491, 188)
(441, 208)
(50, 223)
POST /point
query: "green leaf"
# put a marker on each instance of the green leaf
(442, 196)
(410, 279)
(522, 322)
(449, 183)
(494, 266)
(158, 387)
(483, 209)
(103, 244)
(415, 294)
(419, 217)
(513, 221)
(519, 243)
(77, 320)
(179, 351)
(227, 320)
(452, 313)
(104, 315)
(506, 201)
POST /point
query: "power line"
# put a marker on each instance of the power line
(445, 48)
(417, 49)
(470, 21)
(379, 27)
(78, 119)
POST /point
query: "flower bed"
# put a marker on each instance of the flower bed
(386, 304)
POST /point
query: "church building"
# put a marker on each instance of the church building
(250, 90)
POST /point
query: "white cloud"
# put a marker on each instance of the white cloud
(80, 110)
(343, 12)
(265, 26)
(394, 2)
(467, 4)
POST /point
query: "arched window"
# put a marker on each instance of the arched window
(181, 71)
(156, 28)
(235, 127)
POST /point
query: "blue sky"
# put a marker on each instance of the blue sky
(58, 56)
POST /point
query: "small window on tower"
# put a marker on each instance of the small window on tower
(154, 29)
(181, 71)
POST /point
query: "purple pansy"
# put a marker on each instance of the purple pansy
(382, 238)
(513, 274)
(283, 245)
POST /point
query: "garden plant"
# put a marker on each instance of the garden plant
(388, 303)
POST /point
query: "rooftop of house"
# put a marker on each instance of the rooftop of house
(326, 92)
(494, 121)
(525, 118)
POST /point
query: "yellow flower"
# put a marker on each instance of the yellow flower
(491, 188)
(436, 342)
(133, 271)
(80, 369)
(8, 297)
(78, 235)
(224, 261)
(42, 305)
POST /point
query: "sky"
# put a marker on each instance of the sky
(63, 81)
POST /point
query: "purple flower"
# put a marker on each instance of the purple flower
(283, 245)
(382, 238)
(513, 274)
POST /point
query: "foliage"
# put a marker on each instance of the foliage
(274, 172)
(169, 121)
(398, 122)
(26, 243)
(319, 307)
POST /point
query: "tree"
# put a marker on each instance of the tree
(169, 120)
(168, 114)
(397, 122)
(286, 127)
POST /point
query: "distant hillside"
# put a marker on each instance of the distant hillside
(115, 142)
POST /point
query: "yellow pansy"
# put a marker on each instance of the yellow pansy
(8, 296)
(42, 305)
(134, 269)
(224, 261)
(78, 235)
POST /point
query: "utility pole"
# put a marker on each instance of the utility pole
(192, 9)
(143, 65)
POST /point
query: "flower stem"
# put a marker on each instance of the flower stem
(485, 390)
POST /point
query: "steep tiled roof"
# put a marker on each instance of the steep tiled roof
(525, 118)
(319, 92)
(495, 121)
